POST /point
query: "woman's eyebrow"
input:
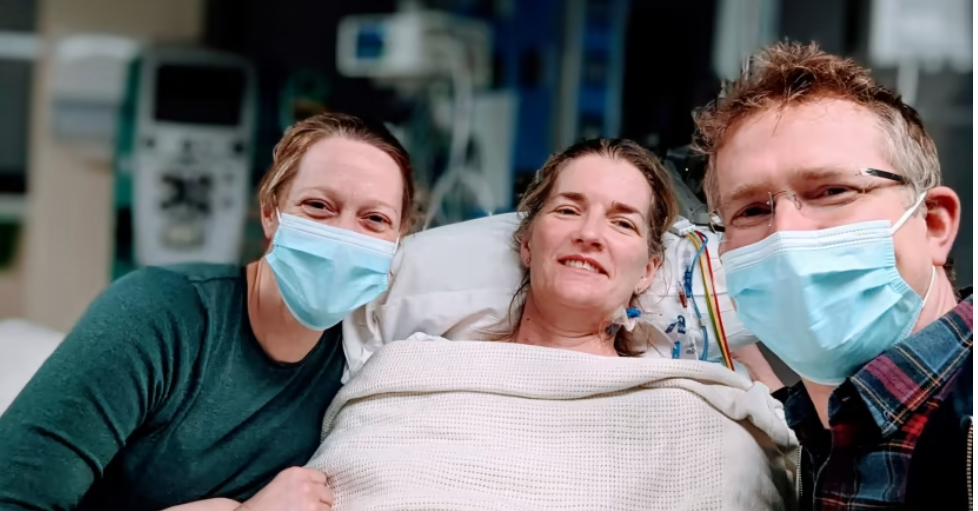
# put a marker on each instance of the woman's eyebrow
(377, 203)
(620, 207)
(337, 196)
(575, 197)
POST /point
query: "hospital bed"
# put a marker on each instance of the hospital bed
(454, 280)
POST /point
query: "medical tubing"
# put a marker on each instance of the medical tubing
(709, 291)
(639, 316)
(713, 306)
(718, 321)
(463, 92)
(688, 289)
(700, 242)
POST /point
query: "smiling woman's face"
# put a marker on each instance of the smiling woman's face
(346, 184)
(589, 249)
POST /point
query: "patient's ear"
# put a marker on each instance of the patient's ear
(650, 270)
(525, 251)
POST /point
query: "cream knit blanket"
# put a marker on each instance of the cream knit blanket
(454, 425)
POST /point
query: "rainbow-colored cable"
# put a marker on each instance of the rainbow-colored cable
(709, 288)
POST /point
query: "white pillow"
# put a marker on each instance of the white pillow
(457, 281)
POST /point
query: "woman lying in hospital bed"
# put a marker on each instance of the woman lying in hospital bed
(561, 416)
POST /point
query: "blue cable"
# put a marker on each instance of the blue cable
(688, 288)
(633, 312)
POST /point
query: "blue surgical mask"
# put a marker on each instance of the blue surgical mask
(826, 302)
(325, 273)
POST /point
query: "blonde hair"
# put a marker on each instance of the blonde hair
(301, 136)
(662, 213)
(786, 74)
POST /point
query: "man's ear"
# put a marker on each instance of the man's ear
(943, 220)
(650, 270)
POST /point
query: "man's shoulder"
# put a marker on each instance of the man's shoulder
(941, 456)
(954, 403)
(927, 365)
(962, 396)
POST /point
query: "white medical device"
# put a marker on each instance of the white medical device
(193, 141)
(914, 36)
(412, 46)
(414, 49)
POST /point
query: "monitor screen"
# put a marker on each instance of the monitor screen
(199, 94)
(370, 42)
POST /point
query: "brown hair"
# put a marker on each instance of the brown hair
(786, 74)
(301, 136)
(663, 209)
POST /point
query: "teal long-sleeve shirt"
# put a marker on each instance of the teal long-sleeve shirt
(161, 395)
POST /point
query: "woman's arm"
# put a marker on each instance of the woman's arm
(107, 377)
(758, 367)
(207, 505)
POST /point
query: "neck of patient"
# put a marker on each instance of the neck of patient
(564, 329)
(282, 337)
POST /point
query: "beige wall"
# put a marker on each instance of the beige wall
(65, 260)
(11, 285)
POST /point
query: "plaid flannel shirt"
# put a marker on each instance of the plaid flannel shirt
(877, 417)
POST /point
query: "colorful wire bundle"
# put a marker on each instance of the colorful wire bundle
(700, 241)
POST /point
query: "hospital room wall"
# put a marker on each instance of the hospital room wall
(11, 290)
(16, 17)
(944, 100)
(65, 250)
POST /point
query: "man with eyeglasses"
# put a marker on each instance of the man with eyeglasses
(835, 236)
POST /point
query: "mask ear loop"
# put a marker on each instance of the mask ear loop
(397, 244)
(909, 213)
(933, 276)
(896, 227)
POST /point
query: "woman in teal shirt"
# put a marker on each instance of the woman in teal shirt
(187, 383)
